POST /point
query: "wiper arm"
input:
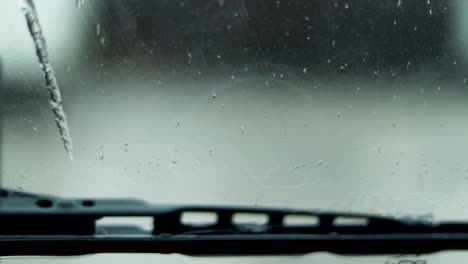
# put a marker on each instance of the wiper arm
(33, 224)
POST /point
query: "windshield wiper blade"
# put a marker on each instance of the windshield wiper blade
(34, 224)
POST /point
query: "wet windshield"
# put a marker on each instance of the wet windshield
(350, 105)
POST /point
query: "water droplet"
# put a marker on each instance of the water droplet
(68, 68)
(221, 3)
(218, 56)
(408, 65)
(306, 124)
(426, 218)
(306, 18)
(228, 27)
(358, 89)
(79, 3)
(222, 105)
(320, 162)
(189, 58)
(232, 77)
(346, 6)
(35, 129)
(379, 149)
(210, 152)
(438, 88)
(415, 28)
(213, 95)
(102, 41)
(278, 3)
(101, 152)
(338, 114)
(267, 83)
(178, 123)
(333, 43)
(395, 22)
(422, 91)
(316, 87)
(454, 62)
(298, 166)
(98, 29)
(304, 70)
(399, 3)
(182, 3)
(242, 129)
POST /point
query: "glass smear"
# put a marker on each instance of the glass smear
(35, 30)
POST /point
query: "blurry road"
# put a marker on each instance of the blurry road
(167, 139)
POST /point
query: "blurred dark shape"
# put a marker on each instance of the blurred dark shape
(365, 34)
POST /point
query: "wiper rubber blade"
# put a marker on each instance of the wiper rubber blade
(35, 224)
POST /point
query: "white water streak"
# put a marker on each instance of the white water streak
(35, 30)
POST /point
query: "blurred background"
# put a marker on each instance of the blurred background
(348, 105)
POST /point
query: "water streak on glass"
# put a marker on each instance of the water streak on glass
(35, 30)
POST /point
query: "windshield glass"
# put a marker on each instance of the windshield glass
(349, 105)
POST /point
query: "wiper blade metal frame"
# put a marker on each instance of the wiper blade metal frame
(33, 224)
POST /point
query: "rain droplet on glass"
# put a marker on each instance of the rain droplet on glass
(103, 41)
(101, 152)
